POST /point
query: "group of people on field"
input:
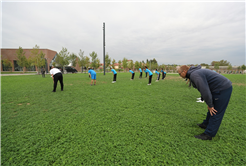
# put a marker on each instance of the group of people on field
(147, 71)
(215, 90)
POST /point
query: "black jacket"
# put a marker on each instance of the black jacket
(207, 81)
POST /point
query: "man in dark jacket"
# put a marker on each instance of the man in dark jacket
(216, 91)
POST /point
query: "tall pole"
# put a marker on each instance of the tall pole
(104, 47)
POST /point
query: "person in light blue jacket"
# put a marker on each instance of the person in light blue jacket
(163, 73)
(158, 75)
(145, 73)
(114, 73)
(140, 70)
(132, 73)
(150, 74)
(93, 75)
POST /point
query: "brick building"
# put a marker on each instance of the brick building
(10, 54)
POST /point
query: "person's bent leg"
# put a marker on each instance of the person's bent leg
(220, 100)
(61, 80)
(55, 82)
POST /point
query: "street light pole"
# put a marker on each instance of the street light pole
(104, 47)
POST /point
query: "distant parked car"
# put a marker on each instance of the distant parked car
(69, 69)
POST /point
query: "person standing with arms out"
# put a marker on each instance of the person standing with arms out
(158, 75)
(140, 70)
(216, 91)
(145, 72)
(132, 73)
(56, 75)
(93, 75)
(150, 75)
(114, 73)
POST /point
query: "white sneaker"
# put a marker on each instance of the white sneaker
(198, 98)
(113, 82)
(148, 84)
(200, 101)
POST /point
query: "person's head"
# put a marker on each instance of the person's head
(129, 68)
(110, 68)
(155, 69)
(183, 71)
(161, 68)
(52, 67)
(145, 67)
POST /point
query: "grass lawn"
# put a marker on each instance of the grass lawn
(126, 123)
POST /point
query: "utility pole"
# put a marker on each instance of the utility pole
(104, 47)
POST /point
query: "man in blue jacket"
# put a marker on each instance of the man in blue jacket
(216, 91)
(140, 70)
(150, 75)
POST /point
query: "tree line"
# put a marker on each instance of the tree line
(64, 58)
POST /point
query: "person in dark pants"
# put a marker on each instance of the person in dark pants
(150, 74)
(43, 72)
(56, 75)
(132, 73)
(163, 73)
(215, 90)
(145, 73)
(158, 75)
(140, 70)
(114, 73)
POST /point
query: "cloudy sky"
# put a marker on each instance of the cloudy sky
(181, 32)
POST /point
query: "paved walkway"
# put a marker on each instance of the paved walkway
(18, 74)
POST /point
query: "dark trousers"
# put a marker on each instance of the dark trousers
(140, 75)
(150, 78)
(146, 75)
(163, 75)
(133, 74)
(159, 75)
(43, 74)
(220, 101)
(57, 77)
(115, 75)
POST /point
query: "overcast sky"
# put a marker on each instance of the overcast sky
(170, 32)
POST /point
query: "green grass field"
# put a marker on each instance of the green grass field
(126, 123)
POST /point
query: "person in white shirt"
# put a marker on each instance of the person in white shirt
(56, 75)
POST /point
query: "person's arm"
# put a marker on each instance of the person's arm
(202, 86)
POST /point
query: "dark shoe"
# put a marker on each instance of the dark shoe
(203, 136)
(203, 126)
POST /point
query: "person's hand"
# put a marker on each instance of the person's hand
(212, 111)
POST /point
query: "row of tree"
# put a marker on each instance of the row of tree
(64, 58)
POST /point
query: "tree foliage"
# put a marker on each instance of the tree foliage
(81, 60)
(7, 63)
(93, 56)
(97, 63)
(21, 58)
(124, 63)
(137, 65)
(130, 64)
(62, 58)
(243, 67)
(107, 60)
(87, 62)
(73, 59)
(113, 62)
(119, 62)
(37, 58)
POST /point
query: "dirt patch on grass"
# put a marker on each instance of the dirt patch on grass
(239, 84)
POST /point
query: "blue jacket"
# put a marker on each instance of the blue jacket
(206, 81)
(131, 71)
(150, 73)
(113, 71)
